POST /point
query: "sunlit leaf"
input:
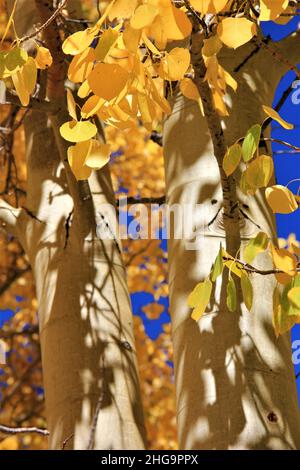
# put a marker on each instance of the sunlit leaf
(43, 58)
(143, 16)
(260, 171)
(74, 131)
(77, 155)
(175, 64)
(78, 42)
(251, 141)
(281, 199)
(98, 155)
(199, 299)
(71, 104)
(234, 32)
(284, 260)
(256, 245)
(294, 297)
(107, 80)
(274, 115)
(232, 159)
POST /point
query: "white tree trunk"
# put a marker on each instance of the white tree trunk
(235, 382)
(88, 352)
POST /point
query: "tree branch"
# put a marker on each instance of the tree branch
(251, 269)
(31, 430)
(46, 24)
(214, 125)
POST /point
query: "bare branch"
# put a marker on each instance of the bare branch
(251, 269)
(30, 430)
(46, 24)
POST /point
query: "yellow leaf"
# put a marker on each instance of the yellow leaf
(274, 115)
(10, 443)
(29, 74)
(74, 131)
(122, 9)
(71, 104)
(208, 6)
(189, 89)
(175, 64)
(211, 46)
(234, 32)
(153, 310)
(199, 299)
(77, 155)
(145, 108)
(18, 81)
(78, 42)
(285, 314)
(143, 16)
(84, 90)
(230, 81)
(295, 248)
(108, 80)
(219, 103)
(256, 245)
(232, 265)
(260, 171)
(271, 9)
(13, 61)
(171, 24)
(91, 106)
(284, 260)
(294, 297)
(81, 65)
(232, 159)
(43, 58)
(106, 42)
(131, 38)
(281, 199)
(98, 155)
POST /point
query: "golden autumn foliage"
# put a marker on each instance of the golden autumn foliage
(118, 69)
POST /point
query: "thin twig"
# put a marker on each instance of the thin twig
(46, 24)
(32, 430)
(251, 269)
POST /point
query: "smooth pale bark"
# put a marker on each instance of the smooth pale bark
(235, 382)
(88, 352)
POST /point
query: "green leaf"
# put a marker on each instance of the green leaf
(218, 265)
(247, 291)
(259, 172)
(231, 295)
(285, 313)
(232, 159)
(255, 245)
(251, 142)
(199, 299)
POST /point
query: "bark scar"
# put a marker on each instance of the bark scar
(67, 228)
